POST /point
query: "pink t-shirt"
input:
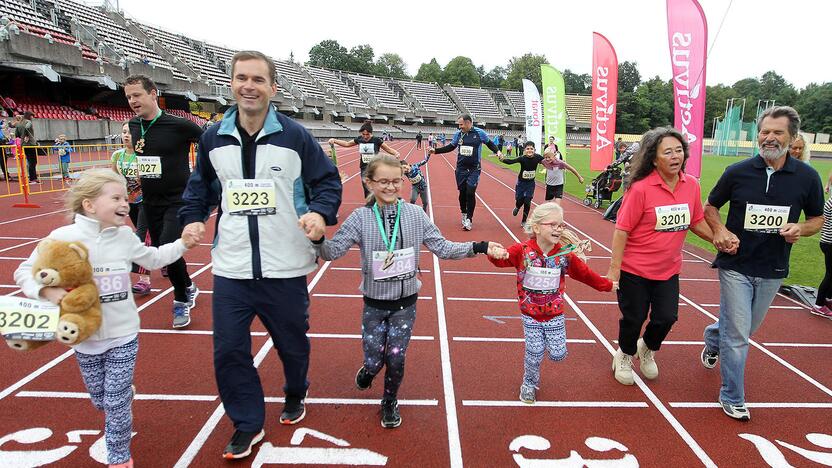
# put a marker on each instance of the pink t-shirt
(657, 220)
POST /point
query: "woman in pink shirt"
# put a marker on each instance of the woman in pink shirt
(660, 204)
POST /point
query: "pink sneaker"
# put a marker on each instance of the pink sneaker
(141, 288)
(822, 311)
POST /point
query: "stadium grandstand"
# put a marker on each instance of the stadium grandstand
(64, 62)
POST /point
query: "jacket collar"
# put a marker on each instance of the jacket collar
(533, 244)
(92, 227)
(228, 125)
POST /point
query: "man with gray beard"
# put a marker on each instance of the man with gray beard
(766, 193)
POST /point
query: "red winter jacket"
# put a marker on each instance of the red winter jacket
(543, 307)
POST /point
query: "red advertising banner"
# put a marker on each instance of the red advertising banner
(687, 36)
(604, 100)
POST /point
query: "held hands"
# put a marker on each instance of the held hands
(52, 294)
(313, 225)
(791, 232)
(614, 276)
(726, 241)
(431, 150)
(497, 251)
(500, 155)
(192, 234)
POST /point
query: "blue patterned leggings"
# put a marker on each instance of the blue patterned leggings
(386, 335)
(109, 379)
(542, 336)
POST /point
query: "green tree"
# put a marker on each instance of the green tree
(774, 86)
(494, 78)
(525, 67)
(577, 84)
(430, 72)
(656, 98)
(814, 103)
(391, 65)
(750, 90)
(461, 71)
(628, 77)
(329, 54)
(361, 59)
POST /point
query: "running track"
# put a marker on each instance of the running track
(459, 399)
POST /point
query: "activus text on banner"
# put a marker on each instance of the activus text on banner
(687, 35)
(534, 114)
(604, 100)
(554, 106)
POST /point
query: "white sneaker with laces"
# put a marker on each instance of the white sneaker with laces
(622, 366)
(647, 360)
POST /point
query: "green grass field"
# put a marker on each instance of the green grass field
(806, 260)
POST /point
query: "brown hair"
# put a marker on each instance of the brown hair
(145, 81)
(245, 55)
(367, 126)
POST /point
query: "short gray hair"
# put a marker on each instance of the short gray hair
(782, 111)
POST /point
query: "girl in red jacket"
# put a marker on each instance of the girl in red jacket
(542, 263)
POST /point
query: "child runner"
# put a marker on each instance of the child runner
(554, 164)
(125, 163)
(368, 147)
(542, 263)
(420, 185)
(107, 359)
(63, 148)
(524, 191)
(390, 233)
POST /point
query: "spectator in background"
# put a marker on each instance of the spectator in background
(800, 149)
(430, 141)
(211, 121)
(517, 145)
(25, 130)
(500, 141)
(619, 147)
(3, 141)
(442, 138)
(823, 304)
(63, 149)
(419, 140)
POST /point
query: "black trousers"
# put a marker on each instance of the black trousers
(31, 163)
(163, 226)
(825, 288)
(638, 297)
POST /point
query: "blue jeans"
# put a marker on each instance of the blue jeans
(743, 304)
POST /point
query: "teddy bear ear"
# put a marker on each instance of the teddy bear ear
(43, 244)
(80, 249)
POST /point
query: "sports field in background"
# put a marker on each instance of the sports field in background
(806, 261)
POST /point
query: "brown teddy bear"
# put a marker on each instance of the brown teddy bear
(66, 265)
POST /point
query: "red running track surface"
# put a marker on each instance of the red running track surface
(459, 398)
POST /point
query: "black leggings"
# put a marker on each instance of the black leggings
(526, 203)
(825, 288)
(140, 223)
(164, 227)
(467, 200)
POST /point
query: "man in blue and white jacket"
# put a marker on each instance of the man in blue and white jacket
(276, 190)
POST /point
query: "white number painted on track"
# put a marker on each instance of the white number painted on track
(340, 455)
(775, 458)
(598, 444)
(34, 458)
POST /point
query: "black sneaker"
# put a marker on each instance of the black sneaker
(709, 358)
(515, 211)
(241, 444)
(390, 417)
(363, 379)
(294, 410)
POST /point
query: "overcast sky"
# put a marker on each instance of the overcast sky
(791, 37)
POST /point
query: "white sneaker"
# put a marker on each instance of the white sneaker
(647, 360)
(622, 366)
(467, 224)
(464, 219)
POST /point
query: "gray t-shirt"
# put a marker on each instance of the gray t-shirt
(555, 176)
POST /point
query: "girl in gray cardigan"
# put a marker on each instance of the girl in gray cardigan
(390, 233)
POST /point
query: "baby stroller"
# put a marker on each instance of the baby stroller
(605, 184)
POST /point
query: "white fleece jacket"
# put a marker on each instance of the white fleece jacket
(113, 249)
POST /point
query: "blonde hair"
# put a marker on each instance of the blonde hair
(88, 187)
(545, 210)
(806, 155)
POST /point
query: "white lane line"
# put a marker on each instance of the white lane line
(337, 336)
(31, 217)
(480, 299)
(14, 387)
(770, 307)
(18, 238)
(777, 358)
(702, 404)
(799, 345)
(19, 259)
(555, 404)
(356, 401)
(359, 269)
(19, 245)
(480, 339)
(677, 426)
(495, 273)
(454, 443)
(139, 396)
(353, 296)
(708, 280)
